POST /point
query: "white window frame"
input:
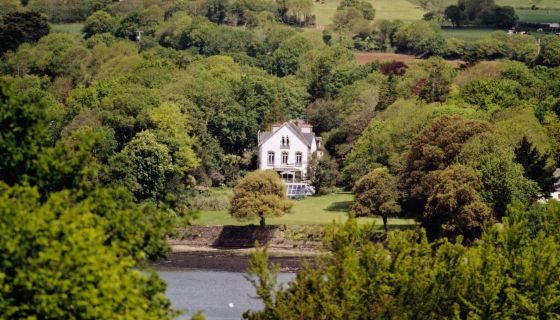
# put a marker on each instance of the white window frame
(284, 157)
(299, 158)
(271, 156)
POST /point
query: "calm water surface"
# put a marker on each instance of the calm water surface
(212, 292)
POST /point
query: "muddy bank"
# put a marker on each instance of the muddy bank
(228, 248)
(228, 260)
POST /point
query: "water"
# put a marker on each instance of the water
(221, 295)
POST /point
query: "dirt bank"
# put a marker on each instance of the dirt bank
(228, 248)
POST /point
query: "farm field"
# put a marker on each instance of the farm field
(311, 210)
(384, 9)
(72, 28)
(538, 16)
(469, 34)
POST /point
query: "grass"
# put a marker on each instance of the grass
(72, 28)
(538, 16)
(384, 9)
(311, 210)
(469, 34)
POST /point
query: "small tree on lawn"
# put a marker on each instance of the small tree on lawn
(376, 194)
(260, 194)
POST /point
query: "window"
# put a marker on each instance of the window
(284, 157)
(271, 158)
(298, 158)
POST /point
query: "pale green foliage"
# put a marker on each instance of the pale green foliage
(550, 51)
(172, 128)
(260, 194)
(98, 22)
(511, 274)
(54, 264)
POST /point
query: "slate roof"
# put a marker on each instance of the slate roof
(306, 138)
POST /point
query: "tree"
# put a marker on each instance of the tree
(286, 57)
(98, 22)
(9, 6)
(23, 131)
(321, 173)
(142, 167)
(436, 86)
(454, 14)
(550, 51)
(21, 27)
(260, 194)
(537, 167)
(55, 264)
(376, 194)
(454, 205)
(433, 150)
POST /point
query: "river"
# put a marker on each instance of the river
(220, 295)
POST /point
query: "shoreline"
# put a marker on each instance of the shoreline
(189, 257)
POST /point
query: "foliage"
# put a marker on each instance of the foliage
(322, 173)
(511, 273)
(537, 166)
(433, 150)
(377, 194)
(260, 194)
(21, 27)
(47, 267)
(550, 51)
(98, 22)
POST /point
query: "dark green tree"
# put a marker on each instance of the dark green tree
(22, 27)
(322, 173)
(537, 166)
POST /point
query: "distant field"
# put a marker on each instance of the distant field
(311, 210)
(72, 28)
(384, 9)
(538, 16)
(514, 3)
(470, 34)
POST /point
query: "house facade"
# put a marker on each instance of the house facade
(287, 149)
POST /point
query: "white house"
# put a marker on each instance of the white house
(287, 149)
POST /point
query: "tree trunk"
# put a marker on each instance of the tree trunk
(262, 223)
(385, 223)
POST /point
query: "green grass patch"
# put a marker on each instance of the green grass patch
(469, 34)
(538, 16)
(72, 28)
(321, 210)
(384, 9)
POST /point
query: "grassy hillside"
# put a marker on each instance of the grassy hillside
(72, 28)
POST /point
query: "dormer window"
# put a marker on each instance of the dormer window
(285, 142)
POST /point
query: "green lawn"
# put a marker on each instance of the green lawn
(72, 28)
(310, 210)
(384, 9)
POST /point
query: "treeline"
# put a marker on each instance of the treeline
(232, 12)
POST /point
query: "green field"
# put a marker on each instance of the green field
(310, 210)
(538, 16)
(72, 28)
(470, 34)
(384, 9)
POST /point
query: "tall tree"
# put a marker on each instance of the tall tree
(260, 194)
(376, 194)
(537, 167)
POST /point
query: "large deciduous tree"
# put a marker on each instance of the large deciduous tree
(260, 194)
(322, 173)
(377, 194)
(433, 150)
(454, 205)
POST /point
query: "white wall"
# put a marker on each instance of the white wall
(275, 142)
